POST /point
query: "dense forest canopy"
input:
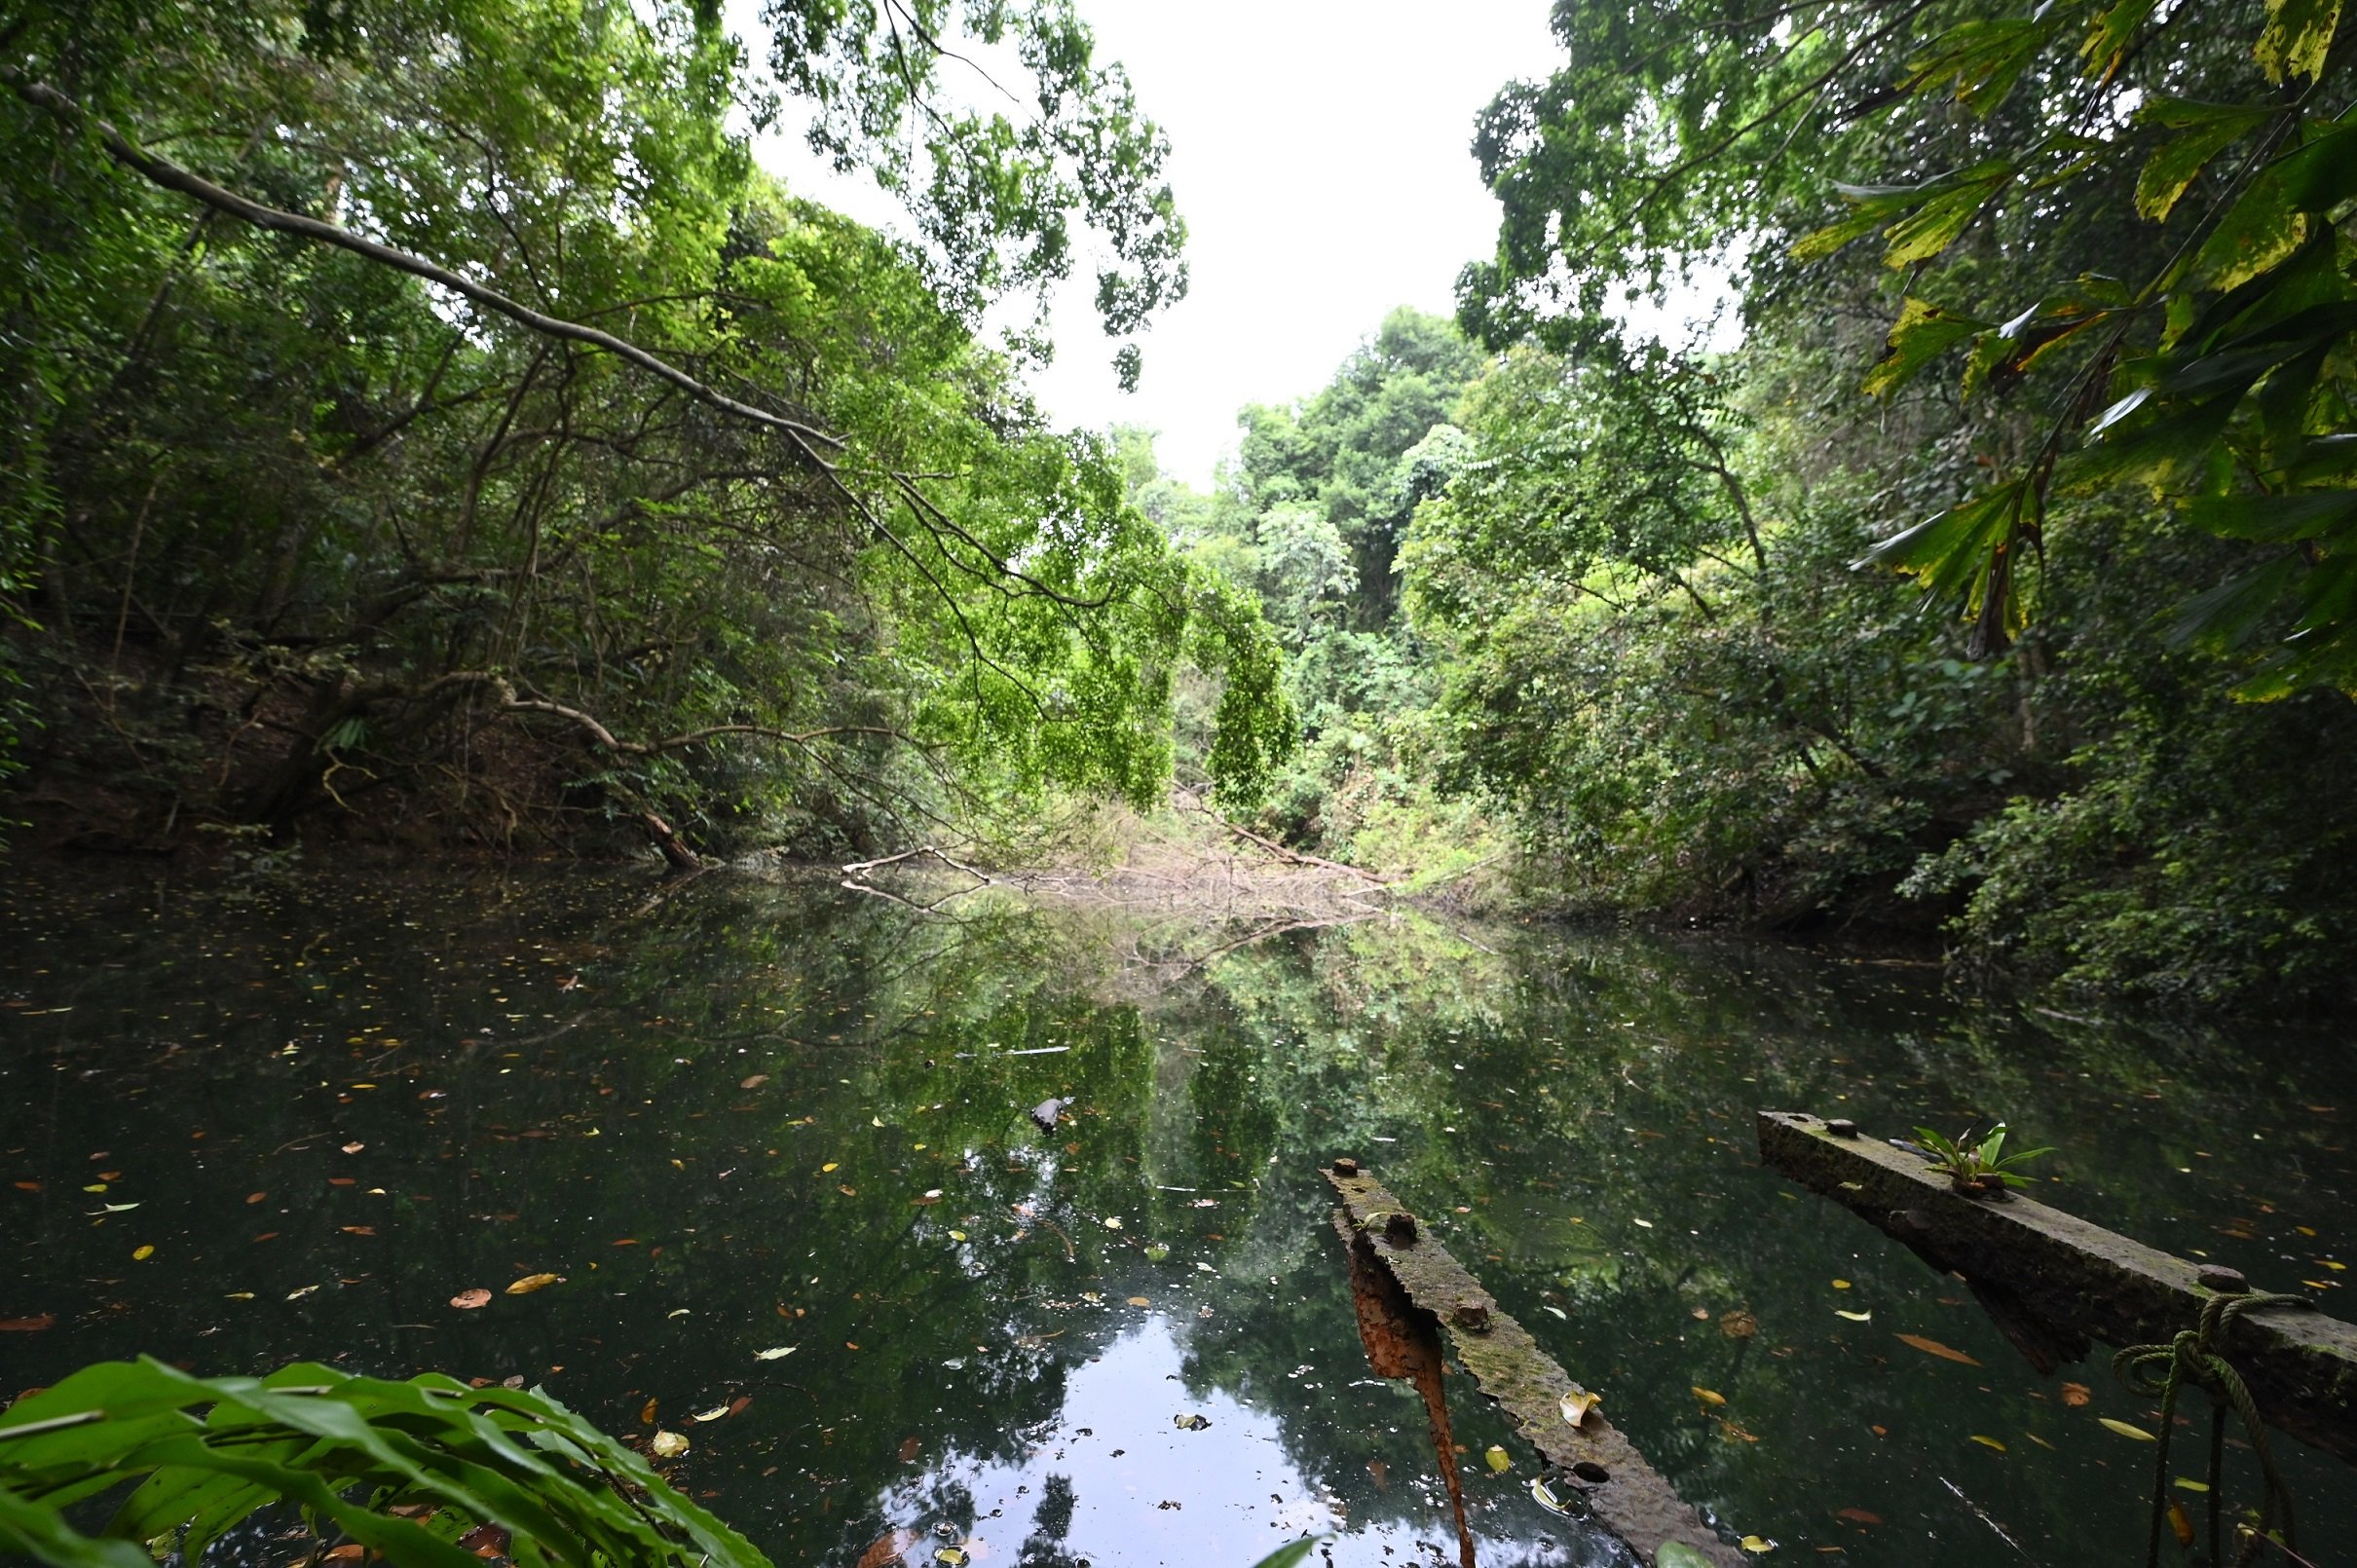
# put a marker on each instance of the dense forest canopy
(432, 400)
(432, 403)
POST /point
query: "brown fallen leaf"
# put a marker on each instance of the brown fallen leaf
(359, 1230)
(469, 1300)
(1738, 1325)
(2077, 1394)
(755, 1082)
(348, 1551)
(535, 1282)
(256, 1197)
(28, 1325)
(736, 1406)
(486, 1540)
(909, 1448)
(1140, 1301)
(646, 1412)
(888, 1550)
(1933, 1347)
(28, 1186)
(1858, 1516)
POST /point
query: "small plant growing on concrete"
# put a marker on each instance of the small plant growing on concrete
(1981, 1167)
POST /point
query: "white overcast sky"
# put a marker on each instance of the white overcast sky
(1320, 156)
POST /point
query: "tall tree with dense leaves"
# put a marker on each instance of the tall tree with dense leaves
(400, 383)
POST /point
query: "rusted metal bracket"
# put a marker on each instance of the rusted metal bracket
(1620, 1491)
(2054, 1282)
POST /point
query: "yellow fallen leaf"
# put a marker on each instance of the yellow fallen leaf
(1841, 1284)
(535, 1282)
(2181, 1525)
(1988, 1442)
(829, 1166)
(1577, 1404)
(776, 1353)
(239, 1295)
(2192, 1485)
(1752, 1543)
(1140, 1301)
(713, 1414)
(140, 1254)
(1708, 1396)
(1853, 1316)
(957, 1235)
(1498, 1458)
(2126, 1431)
(667, 1445)
(1646, 1223)
(1112, 1221)
(876, 1121)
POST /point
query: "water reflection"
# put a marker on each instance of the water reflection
(752, 1117)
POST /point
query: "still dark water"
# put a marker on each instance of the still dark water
(757, 1115)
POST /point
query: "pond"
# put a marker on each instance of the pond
(742, 1117)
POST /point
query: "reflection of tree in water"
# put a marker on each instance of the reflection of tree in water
(1051, 1522)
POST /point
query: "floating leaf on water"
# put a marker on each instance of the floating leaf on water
(1841, 1284)
(927, 1198)
(849, 1191)
(2180, 1525)
(1576, 1404)
(1933, 1347)
(2076, 1393)
(951, 1556)
(299, 1295)
(1189, 1422)
(1112, 1221)
(1988, 1442)
(667, 1445)
(2127, 1430)
(1647, 1223)
(876, 1121)
(535, 1282)
(469, 1300)
(713, 1414)
(1206, 1268)
(1754, 1543)
(1499, 1459)
(140, 1254)
(1738, 1325)
(28, 1325)
(829, 1166)
(1858, 1516)
(1557, 1311)
(646, 1412)
(1155, 1252)
(1853, 1316)
(679, 1312)
(775, 1353)
(1708, 1396)
(755, 1082)
(354, 1148)
(2189, 1484)
(957, 1235)
(239, 1295)
(1541, 1495)
(1140, 1301)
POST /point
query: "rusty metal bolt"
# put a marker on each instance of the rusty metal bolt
(1400, 1228)
(1344, 1165)
(1472, 1315)
(2221, 1278)
(1842, 1127)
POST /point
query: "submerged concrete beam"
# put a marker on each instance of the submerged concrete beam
(1620, 1491)
(2054, 1282)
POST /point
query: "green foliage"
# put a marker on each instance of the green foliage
(405, 1469)
(298, 528)
(1977, 1165)
(2188, 310)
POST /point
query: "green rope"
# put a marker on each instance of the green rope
(2194, 1356)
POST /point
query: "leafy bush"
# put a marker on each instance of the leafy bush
(405, 1469)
